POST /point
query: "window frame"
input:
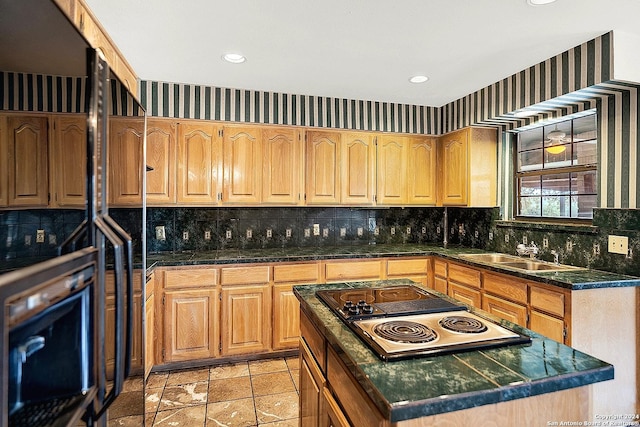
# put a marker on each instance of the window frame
(541, 172)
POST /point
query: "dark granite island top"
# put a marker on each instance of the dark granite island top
(414, 388)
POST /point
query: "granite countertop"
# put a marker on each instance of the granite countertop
(571, 279)
(413, 388)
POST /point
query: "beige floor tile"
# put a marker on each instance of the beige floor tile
(229, 389)
(232, 413)
(229, 371)
(188, 416)
(293, 362)
(133, 384)
(294, 422)
(148, 419)
(152, 399)
(258, 367)
(157, 380)
(277, 407)
(130, 421)
(127, 404)
(278, 382)
(295, 376)
(177, 396)
(188, 376)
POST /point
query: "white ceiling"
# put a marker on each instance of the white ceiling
(354, 49)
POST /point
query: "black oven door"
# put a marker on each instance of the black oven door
(48, 374)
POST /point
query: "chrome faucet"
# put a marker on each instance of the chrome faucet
(531, 250)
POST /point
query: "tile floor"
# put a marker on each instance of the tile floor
(257, 393)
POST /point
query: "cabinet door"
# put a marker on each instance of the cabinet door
(392, 172)
(190, 325)
(507, 310)
(4, 168)
(546, 325)
(323, 167)
(282, 166)
(161, 156)
(421, 171)
(312, 382)
(198, 163)
(246, 316)
(242, 164)
(286, 317)
(357, 161)
(334, 417)
(136, 351)
(465, 294)
(149, 334)
(68, 161)
(454, 164)
(440, 285)
(28, 145)
(126, 168)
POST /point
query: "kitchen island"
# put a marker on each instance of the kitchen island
(533, 384)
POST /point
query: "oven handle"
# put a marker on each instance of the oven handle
(118, 374)
(128, 253)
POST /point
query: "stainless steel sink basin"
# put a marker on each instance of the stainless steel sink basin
(491, 258)
(517, 263)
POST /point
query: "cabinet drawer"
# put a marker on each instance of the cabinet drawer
(407, 267)
(465, 275)
(190, 278)
(296, 273)
(465, 294)
(440, 268)
(547, 300)
(353, 270)
(504, 309)
(244, 275)
(314, 341)
(506, 287)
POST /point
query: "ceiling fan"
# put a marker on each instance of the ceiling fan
(556, 140)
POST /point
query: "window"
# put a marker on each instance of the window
(556, 170)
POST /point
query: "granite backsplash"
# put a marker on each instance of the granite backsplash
(278, 227)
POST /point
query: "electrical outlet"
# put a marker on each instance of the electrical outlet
(316, 229)
(207, 235)
(27, 239)
(40, 236)
(569, 245)
(376, 231)
(343, 232)
(393, 231)
(596, 249)
(506, 238)
(249, 233)
(619, 244)
(228, 234)
(438, 229)
(269, 233)
(307, 232)
(360, 231)
(325, 232)
(408, 230)
(424, 230)
(491, 236)
(545, 242)
(287, 233)
(160, 233)
(476, 234)
(185, 235)
(53, 240)
(524, 239)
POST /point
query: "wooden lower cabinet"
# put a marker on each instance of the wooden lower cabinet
(312, 384)
(465, 294)
(190, 324)
(246, 316)
(547, 325)
(333, 415)
(504, 309)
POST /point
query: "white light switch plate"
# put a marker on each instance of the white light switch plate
(619, 244)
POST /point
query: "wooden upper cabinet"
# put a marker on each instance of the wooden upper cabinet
(27, 140)
(242, 164)
(454, 168)
(421, 171)
(161, 156)
(68, 161)
(392, 173)
(126, 168)
(282, 165)
(323, 167)
(468, 167)
(198, 162)
(357, 161)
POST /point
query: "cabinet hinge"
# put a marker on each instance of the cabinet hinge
(375, 198)
(163, 354)
(564, 332)
(220, 197)
(162, 299)
(305, 197)
(221, 133)
(220, 296)
(220, 347)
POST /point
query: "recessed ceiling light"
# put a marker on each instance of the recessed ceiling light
(539, 2)
(418, 79)
(234, 58)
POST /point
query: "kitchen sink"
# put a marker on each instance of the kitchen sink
(517, 263)
(491, 258)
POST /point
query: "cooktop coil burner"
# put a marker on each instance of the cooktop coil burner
(463, 324)
(405, 332)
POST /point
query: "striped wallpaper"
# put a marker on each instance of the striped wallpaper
(213, 103)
